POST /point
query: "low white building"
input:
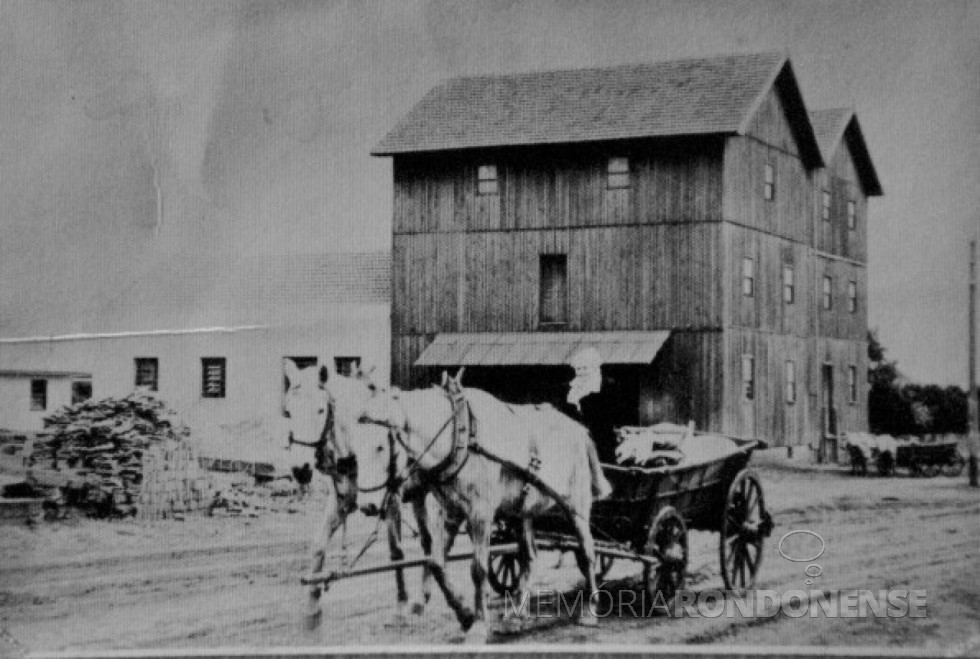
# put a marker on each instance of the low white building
(217, 359)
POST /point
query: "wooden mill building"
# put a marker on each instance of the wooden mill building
(691, 219)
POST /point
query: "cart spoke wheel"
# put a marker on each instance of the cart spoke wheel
(505, 570)
(667, 540)
(744, 526)
(504, 573)
(954, 467)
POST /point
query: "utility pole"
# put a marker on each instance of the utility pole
(973, 405)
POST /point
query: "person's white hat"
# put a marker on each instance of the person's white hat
(585, 358)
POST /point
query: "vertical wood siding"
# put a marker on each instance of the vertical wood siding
(669, 183)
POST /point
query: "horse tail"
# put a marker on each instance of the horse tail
(600, 485)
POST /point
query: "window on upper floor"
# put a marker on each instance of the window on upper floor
(81, 391)
(851, 214)
(825, 206)
(852, 384)
(213, 375)
(852, 296)
(769, 183)
(347, 366)
(486, 180)
(748, 276)
(39, 395)
(789, 284)
(790, 381)
(828, 293)
(618, 173)
(553, 294)
(147, 372)
(748, 377)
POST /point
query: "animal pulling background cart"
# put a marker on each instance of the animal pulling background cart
(920, 458)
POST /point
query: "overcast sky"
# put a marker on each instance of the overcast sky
(141, 142)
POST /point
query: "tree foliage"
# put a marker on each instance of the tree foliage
(897, 408)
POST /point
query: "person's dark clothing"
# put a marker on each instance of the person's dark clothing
(602, 412)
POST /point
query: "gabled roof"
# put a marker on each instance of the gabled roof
(717, 95)
(832, 125)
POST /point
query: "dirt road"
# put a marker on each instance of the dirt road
(207, 583)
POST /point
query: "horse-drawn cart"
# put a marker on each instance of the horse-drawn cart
(646, 520)
(919, 458)
(647, 517)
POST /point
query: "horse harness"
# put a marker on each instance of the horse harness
(343, 471)
(464, 429)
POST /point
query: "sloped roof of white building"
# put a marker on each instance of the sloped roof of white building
(280, 290)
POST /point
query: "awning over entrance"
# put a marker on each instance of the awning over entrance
(540, 348)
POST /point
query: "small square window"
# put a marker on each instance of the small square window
(39, 395)
(828, 293)
(769, 184)
(748, 277)
(852, 386)
(825, 206)
(618, 173)
(852, 296)
(748, 377)
(486, 180)
(81, 391)
(347, 366)
(851, 214)
(789, 284)
(213, 374)
(148, 372)
(790, 382)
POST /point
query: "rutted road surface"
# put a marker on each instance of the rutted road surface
(227, 582)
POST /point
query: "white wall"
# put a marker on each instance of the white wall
(15, 402)
(254, 366)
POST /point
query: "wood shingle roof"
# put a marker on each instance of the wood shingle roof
(716, 95)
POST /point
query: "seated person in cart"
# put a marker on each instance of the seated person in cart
(594, 401)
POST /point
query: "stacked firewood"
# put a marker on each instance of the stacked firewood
(101, 444)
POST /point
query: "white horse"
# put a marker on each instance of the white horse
(489, 482)
(322, 409)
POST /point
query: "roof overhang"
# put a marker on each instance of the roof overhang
(47, 375)
(540, 348)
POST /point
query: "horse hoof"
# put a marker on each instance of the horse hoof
(513, 625)
(587, 621)
(418, 608)
(478, 634)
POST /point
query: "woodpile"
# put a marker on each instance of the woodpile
(102, 446)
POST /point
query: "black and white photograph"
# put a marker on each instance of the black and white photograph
(521, 326)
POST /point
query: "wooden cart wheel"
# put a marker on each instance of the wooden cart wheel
(603, 564)
(931, 469)
(744, 526)
(954, 467)
(505, 570)
(886, 464)
(667, 538)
